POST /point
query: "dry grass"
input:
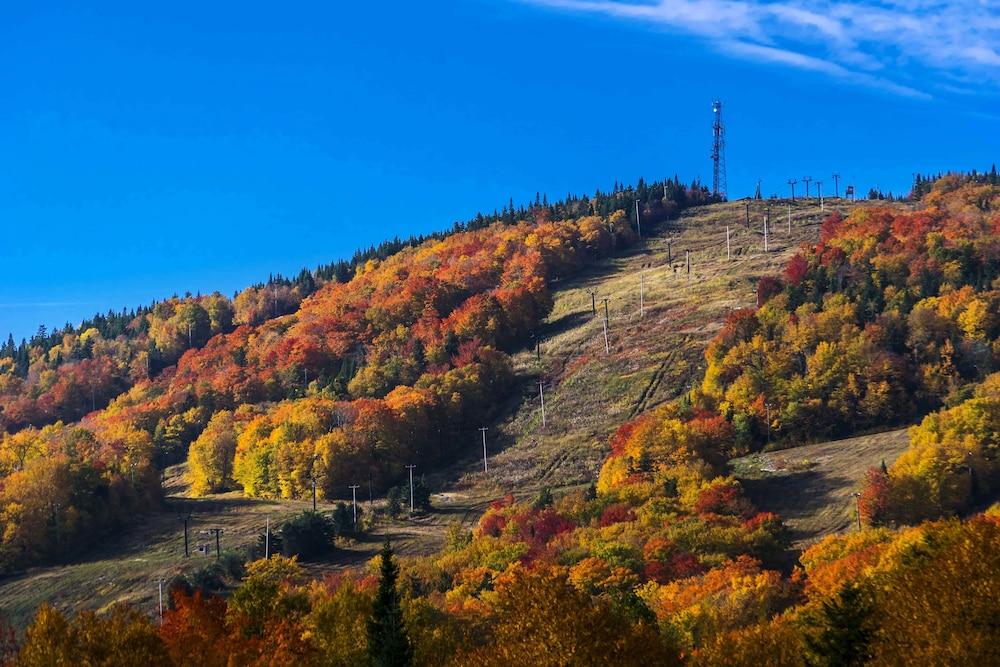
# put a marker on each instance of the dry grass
(654, 358)
(811, 486)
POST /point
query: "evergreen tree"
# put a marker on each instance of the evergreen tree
(388, 643)
(844, 630)
(543, 499)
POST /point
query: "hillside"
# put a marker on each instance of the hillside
(811, 486)
(655, 357)
(634, 509)
(588, 394)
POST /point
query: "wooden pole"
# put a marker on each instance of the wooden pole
(641, 295)
(541, 398)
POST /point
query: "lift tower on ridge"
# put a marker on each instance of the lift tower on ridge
(718, 152)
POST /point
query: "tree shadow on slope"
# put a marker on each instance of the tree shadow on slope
(812, 503)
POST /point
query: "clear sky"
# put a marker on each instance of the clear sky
(200, 146)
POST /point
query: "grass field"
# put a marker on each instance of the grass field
(811, 486)
(655, 355)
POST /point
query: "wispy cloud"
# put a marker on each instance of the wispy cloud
(887, 45)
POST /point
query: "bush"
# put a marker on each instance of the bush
(343, 519)
(543, 499)
(394, 502)
(308, 535)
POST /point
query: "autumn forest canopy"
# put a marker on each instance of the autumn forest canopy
(890, 318)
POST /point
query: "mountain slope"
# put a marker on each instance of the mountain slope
(588, 395)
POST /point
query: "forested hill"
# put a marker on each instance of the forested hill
(371, 369)
(65, 373)
(886, 315)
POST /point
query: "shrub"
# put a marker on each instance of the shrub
(308, 535)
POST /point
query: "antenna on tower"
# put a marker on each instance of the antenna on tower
(718, 152)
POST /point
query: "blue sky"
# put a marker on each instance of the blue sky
(202, 146)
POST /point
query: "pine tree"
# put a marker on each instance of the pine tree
(388, 643)
(845, 630)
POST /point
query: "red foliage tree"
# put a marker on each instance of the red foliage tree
(874, 500)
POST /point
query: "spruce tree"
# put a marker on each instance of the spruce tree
(844, 629)
(388, 643)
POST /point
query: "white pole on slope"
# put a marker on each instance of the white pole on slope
(485, 465)
(541, 398)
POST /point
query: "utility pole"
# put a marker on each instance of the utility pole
(857, 507)
(767, 406)
(593, 300)
(216, 532)
(792, 183)
(410, 468)
(807, 179)
(607, 342)
(729, 255)
(55, 521)
(485, 465)
(312, 476)
(638, 225)
(819, 193)
(159, 587)
(185, 518)
(836, 185)
(687, 258)
(354, 501)
(541, 399)
(642, 286)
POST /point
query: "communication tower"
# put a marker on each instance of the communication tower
(718, 152)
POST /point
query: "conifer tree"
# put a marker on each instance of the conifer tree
(388, 643)
(844, 630)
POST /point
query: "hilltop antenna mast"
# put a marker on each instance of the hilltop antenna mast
(718, 152)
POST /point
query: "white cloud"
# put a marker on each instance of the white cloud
(939, 42)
